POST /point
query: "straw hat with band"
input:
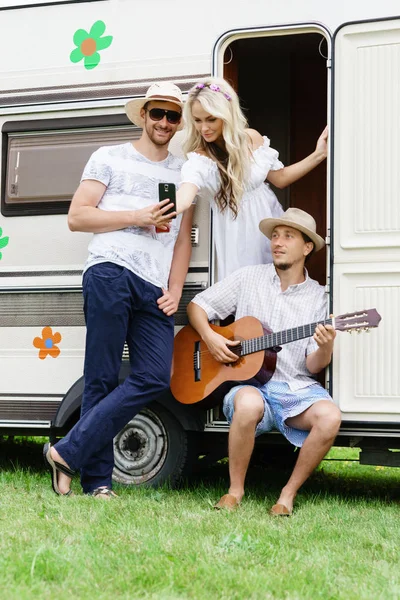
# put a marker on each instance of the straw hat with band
(164, 91)
(298, 219)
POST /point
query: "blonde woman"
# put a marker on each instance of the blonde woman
(227, 165)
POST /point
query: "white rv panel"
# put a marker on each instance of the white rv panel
(366, 228)
(367, 140)
(150, 41)
(366, 377)
(19, 359)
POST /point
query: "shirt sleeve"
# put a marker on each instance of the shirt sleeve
(221, 299)
(195, 170)
(269, 156)
(97, 168)
(321, 313)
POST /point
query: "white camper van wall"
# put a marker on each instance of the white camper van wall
(3, 242)
(89, 43)
(47, 343)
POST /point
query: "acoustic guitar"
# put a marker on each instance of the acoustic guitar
(196, 374)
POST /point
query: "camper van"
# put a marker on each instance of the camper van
(67, 69)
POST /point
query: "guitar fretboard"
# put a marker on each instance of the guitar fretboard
(280, 337)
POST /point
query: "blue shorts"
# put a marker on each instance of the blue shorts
(280, 403)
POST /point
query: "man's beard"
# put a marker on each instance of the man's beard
(151, 132)
(283, 266)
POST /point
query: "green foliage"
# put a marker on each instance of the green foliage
(341, 542)
(3, 241)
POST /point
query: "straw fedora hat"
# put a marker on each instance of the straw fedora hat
(162, 90)
(298, 219)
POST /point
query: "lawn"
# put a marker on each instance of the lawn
(341, 543)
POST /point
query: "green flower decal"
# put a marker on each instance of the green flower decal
(3, 241)
(89, 44)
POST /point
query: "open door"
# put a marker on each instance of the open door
(281, 74)
(366, 216)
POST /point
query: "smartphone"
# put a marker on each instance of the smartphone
(167, 190)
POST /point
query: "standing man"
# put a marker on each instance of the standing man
(281, 296)
(132, 285)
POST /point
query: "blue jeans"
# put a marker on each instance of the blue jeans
(119, 306)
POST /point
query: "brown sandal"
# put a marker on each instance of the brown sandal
(228, 501)
(104, 492)
(280, 510)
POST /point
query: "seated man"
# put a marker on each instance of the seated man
(281, 296)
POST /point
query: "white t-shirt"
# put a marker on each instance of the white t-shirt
(132, 183)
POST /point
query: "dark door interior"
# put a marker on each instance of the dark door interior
(282, 84)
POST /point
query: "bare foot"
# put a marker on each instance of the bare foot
(286, 498)
(237, 493)
(63, 481)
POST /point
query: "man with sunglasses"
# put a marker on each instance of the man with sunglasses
(132, 285)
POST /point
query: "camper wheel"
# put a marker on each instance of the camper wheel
(151, 449)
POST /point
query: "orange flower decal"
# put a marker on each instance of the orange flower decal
(47, 343)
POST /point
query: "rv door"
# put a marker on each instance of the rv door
(366, 215)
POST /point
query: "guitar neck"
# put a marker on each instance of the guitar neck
(270, 340)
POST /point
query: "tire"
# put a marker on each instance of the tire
(152, 449)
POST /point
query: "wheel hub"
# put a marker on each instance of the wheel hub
(140, 449)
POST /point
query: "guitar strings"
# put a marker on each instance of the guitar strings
(283, 340)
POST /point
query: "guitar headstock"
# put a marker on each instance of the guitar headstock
(361, 320)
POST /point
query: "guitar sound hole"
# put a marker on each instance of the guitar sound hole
(236, 363)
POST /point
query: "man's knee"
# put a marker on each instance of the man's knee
(248, 406)
(327, 417)
(139, 382)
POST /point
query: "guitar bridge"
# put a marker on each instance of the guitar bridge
(197, 362)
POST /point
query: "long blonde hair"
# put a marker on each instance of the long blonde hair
(219, 99)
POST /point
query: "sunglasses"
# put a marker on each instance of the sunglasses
(157, 114)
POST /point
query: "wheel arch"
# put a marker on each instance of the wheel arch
(192, 418)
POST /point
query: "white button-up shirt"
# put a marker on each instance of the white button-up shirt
(255, 291)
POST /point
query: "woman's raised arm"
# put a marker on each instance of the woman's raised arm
(284, 177)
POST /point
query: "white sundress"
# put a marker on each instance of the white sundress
(239, 242)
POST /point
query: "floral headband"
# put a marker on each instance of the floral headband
(214, 88)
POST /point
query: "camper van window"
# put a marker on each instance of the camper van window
(43, 168)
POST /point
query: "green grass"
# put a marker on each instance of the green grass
(341, 543)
